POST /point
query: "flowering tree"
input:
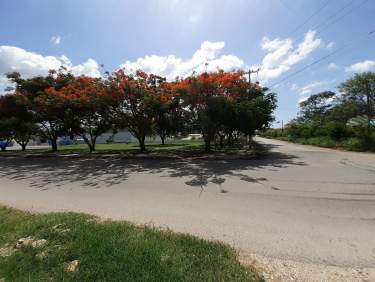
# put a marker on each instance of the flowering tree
(223, 102)
(88, 108)
(48, 111)
(217, 104)
(169, 115)
(136, 96)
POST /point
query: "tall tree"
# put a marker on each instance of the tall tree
(169, 115)
(253, 107)
(361, 89)
(315, 108)
(88, 108)
(135, 96)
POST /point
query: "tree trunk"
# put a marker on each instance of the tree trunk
(230, 139)
(3, 148)
(142, 145)
(207, 147)
(221, 140)
(23, 147)
(92, 147)
(162, 137)
(54, 144)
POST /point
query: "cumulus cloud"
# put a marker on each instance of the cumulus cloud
(362, 66)
(282, 55)
(332, 66)
(307, 90)
(29, 64)
(56, 39)
(207, 57)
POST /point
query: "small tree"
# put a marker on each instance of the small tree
(5, 134)
(16, 119)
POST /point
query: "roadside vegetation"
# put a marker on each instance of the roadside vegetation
(342, 120)
(174, 149)
(221, 106)
(78, 247)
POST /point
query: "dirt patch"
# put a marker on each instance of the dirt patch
(277, 270)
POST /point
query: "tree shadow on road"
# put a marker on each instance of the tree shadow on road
(45, 173)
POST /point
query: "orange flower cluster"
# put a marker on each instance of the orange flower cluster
(199, 87)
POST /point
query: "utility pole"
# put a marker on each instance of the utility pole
(250, 72)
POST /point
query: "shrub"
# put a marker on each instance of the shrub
(336, 130)
(355, 144)
(323, 141)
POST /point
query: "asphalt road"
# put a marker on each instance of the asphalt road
(300, 203)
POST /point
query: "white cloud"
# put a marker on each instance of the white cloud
(303, 99)
(30, 64)
(332, 66)
(282, 55)
(207, 57)
(330, 45)
(89, 68)
(294, 87)
(361, 66)
(56, 39)
(315, 87)
(310, 88)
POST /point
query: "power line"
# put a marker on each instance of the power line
(326, 24)
(325, 4)
(288, 8)
(334, 14)
(321, 59)
(333, 21)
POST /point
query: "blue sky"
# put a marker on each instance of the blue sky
(176, 37)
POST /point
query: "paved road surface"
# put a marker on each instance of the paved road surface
(300, 203)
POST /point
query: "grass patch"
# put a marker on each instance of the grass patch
(110, 251)
(194, 148)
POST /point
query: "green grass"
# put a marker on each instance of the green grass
(111, 251)
(133, 147)
(118, 148)
(177, 147)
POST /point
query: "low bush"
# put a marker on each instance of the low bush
(323, 141)
(355, 144)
